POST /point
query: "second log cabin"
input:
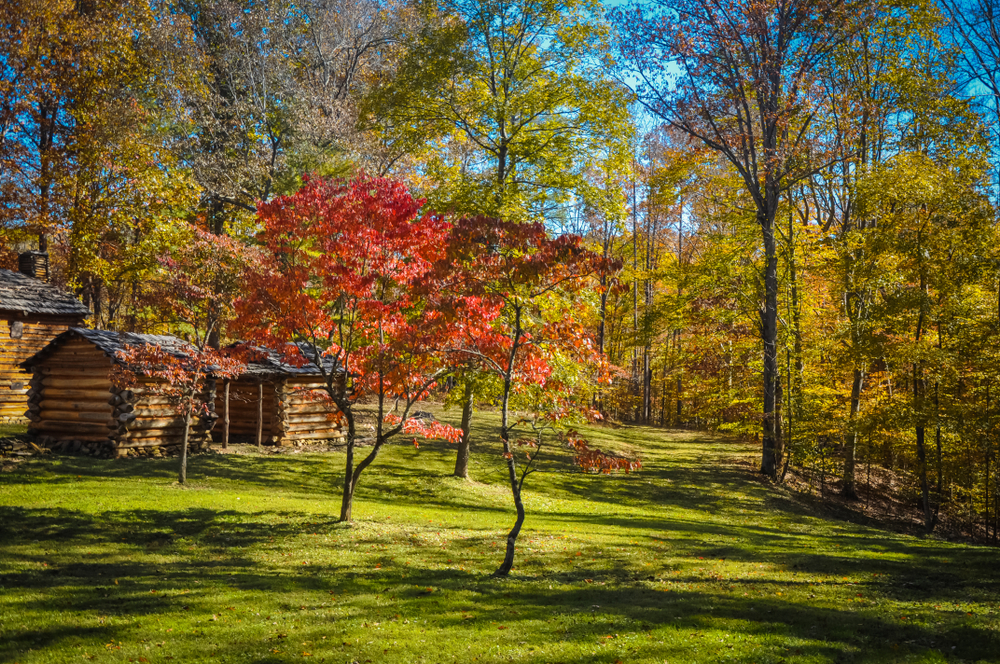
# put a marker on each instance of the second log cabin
(73, 404)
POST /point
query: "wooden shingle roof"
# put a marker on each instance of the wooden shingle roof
(270, 364)
(273, 363)
(23, 294)
(110, 343)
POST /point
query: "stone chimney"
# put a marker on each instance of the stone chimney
(34, 264)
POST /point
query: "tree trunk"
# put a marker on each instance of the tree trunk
(260, 415)
(647, 387)
(347, 499)
(353, 477)
(515, 489)
(515, 486)
(925, 499)
(771, 452)
(850, 489)
(225, 415)
(508, 559)
(182, 476)
(462, 459)
(794, 379)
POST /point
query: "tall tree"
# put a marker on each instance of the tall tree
(509, 100)
(975, 30)
(280, 81)
(86, 90)
(739, 77)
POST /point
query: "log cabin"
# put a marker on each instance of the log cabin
(73, 405)
(32, 313)
(275, 402)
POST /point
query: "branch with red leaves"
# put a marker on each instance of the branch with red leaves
(594, 460)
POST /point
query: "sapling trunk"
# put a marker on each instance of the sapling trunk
(515, 490)
(462, 458)
(508, 559)
(348, 496)
(515, 487)
(225, 416)
(352, 479)
(182, 478)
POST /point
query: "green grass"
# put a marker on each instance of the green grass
(689, 560)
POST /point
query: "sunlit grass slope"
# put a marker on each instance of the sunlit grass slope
(689, 560)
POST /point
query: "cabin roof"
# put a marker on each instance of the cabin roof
(274, 363)
(24, 294)
(271, 365)
(110, 343)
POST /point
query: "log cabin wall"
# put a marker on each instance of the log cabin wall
(72, 400)
(306, 414)
(21, 336)
(32, 313)
(148, 419)
(69, 395)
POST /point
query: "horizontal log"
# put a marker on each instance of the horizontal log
(72, 435)
(72, 426)
(144, 400)
(75, 383)
(302, 418)
(62, 393)
(91, 405)
(80, 343)
(159, 410)
(77, 350)
(152, 442)
(315, 435)
(309, 428)
(76, 369)
(160, 432)
(75, 415)
(312, 407)
(155, 423)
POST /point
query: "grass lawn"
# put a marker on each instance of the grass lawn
(689, 560)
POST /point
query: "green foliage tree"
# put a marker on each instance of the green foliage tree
(739, 78)
(507, 103)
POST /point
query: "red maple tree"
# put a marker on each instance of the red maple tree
(340, 259)
(522, 288)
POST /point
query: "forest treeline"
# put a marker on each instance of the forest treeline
(802, 194)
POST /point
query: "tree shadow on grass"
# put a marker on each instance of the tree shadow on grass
(595, 611)
(617, 601)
